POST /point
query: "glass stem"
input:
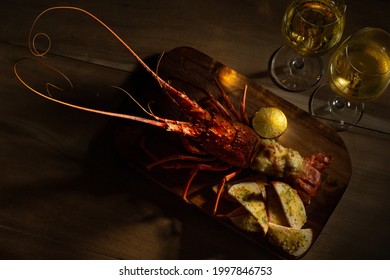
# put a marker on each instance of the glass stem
(298, 63)
(338, 103)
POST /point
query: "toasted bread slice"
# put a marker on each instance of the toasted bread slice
(293, 241)
(292, 204)
(249, 195)
(244, 220)
(274, 207)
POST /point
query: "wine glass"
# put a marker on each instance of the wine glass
(310, 28)
(359, 71)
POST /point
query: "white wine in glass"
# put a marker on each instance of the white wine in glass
(310, 28)
(359, 71)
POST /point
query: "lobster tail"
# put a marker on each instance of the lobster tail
(308, 179)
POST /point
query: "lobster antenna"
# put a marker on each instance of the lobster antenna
(175, 94)
(33, 49)
(158, 122)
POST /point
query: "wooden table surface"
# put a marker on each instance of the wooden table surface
(65, 194)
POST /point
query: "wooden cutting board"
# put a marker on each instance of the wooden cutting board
(188, 69)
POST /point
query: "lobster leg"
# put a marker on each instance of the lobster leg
(190, 147)
(191, 177)
(227, 101)
(221, 186)
(195, 163)
(209, 167)
(209, 101)
(244, 115)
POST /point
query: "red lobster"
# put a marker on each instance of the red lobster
(231, 145)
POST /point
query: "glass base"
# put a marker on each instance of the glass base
(336, 111)
(294, 73)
